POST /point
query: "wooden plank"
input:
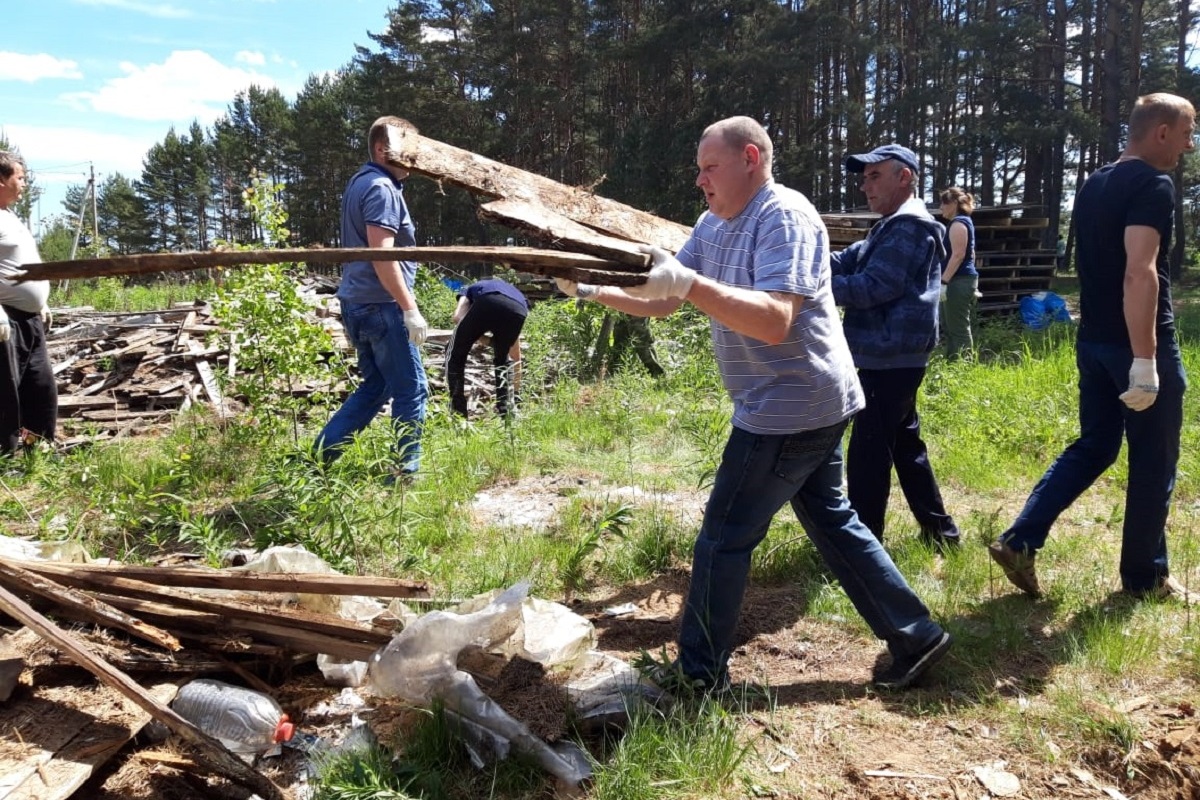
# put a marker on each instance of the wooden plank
(92, 609)
(233, 610)
(493, 179)
(75, 401)
(110, 415)
(208, 749)
(58, 775)
(211, 388)
(297, 582)
(562, 233)
(575, 266)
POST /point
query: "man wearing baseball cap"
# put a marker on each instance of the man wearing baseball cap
(889, 285)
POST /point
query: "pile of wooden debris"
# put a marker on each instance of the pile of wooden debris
(243, 628)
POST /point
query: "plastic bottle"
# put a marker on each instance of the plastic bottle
(245, 721)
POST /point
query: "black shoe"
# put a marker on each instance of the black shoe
(671, 678)
(941, 542)
(905, 671)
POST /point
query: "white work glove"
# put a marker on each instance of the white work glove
(667, 278)
(572, 289)
(5, 330)
(1143, 385)
(418, 329)
(942, 294)
(46, 316)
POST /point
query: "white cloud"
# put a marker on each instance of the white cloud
(159, 10)
(189, 85)
(36, 66)
(251, 57)
(45, 147)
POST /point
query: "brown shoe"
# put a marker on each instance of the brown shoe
(1170, 589)
(1018, 567)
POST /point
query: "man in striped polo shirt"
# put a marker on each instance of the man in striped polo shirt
(757, 263)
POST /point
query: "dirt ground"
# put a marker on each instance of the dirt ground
(822, 734)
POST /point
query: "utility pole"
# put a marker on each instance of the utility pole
(91, 189)
(95, 217)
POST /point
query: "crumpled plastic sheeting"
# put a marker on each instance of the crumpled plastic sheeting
(294, 558)
(69, 552)
(420, 665)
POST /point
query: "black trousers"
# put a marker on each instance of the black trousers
(887, 434)
(28, 393)
(503, 318)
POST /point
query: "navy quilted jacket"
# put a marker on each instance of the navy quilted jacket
(889, 284)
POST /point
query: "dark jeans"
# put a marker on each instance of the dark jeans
(28, 392)
(757, 476)
(887, 433)
(1153, 438)
(390, 365)
(503, 318)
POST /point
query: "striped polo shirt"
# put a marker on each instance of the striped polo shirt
(778, 243)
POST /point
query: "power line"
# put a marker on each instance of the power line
(61, 166)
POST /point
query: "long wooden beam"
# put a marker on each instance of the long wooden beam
(480, 175)
(96, 611)
(231, 610)
(629, 271)
(279, 631)
(299, 582)
(208, 749)
(558, 232)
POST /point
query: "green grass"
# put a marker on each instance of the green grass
(605, 453)
(123, 294)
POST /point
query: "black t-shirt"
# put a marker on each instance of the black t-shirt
(1113, 198)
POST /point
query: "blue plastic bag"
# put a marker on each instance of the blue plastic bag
(1039, 310)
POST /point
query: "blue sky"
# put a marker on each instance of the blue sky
(101, 81)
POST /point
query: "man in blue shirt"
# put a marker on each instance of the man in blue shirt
(890, 284)
(379, 309)
(1131, 377)
(757, 263)
(488, 306)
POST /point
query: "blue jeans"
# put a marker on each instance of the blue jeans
(1153, 437)
(390, 366)
(757, 476)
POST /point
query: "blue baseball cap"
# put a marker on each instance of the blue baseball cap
(885, 152)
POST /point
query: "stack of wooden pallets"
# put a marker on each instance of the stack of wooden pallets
(1009, 254)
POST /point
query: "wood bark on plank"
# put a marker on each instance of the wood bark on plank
(557, 232)
(208, 749)
(248, 635)
(298, 582)
(493, 179)
(575, 266)
(24, 581)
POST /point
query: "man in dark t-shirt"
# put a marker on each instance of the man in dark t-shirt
(1131, 377)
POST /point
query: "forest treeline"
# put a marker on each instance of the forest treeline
(1015, 100)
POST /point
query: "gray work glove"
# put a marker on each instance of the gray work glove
(418, 328)
(1143, 384)
(667, 278)
(572, 289)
